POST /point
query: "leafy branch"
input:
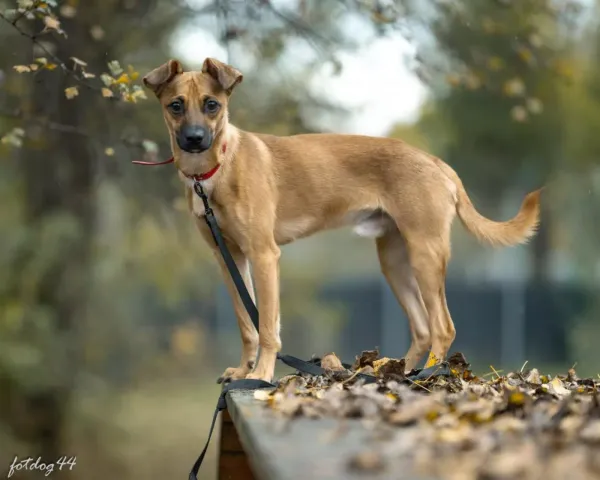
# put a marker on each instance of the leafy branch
(117, 82)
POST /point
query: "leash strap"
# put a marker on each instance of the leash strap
(211, 221)
(245, 384)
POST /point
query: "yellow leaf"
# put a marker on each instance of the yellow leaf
(432, 360)
(453, 79)
(495, 63)
(516, 398)
(79, 62)
(71, 92)
(525, 55)
(514, 87)
(123, 79)
(564, 68)
(51, 23)
(106, 93)
(132, 73)
(22, 68)
(109, 151)
(50, 66)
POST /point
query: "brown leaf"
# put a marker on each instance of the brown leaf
(366, 358)
(392, 369)
(368, 461)
(331, 362)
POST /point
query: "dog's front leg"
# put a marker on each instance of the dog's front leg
(265, 265)
(247, 330)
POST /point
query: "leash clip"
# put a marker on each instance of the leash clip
(200, 192)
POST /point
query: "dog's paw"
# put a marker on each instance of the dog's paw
(258, 376)
(233, 373)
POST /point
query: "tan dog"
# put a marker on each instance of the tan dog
(268, 191)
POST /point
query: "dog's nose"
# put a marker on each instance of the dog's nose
(194, 138)
(194, 134)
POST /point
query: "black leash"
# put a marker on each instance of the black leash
(310, 367)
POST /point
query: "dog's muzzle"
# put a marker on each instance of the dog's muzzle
(194, 139)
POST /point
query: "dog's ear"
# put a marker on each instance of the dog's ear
(227, 76)
(158, 78)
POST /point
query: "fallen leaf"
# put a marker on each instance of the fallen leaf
(368, 461)
(557, 387)
(366, 358)
(21, 68)
(331, 362)
(71, 92)
(262, 395)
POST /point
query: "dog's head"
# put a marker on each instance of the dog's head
(195, 109)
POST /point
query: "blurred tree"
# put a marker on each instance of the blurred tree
(45, 300)
(500, 106)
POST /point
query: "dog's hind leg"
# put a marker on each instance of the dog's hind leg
(396, 268)
(429, 257)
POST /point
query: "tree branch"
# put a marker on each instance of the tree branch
(69, 72)
(129, 142)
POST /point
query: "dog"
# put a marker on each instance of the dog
(267, 191)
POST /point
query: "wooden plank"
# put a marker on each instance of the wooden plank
(303, 448)
(233, 461)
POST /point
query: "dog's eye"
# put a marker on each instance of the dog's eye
(176, 107)
(212, 106)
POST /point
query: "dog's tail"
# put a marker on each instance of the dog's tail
(518, 229)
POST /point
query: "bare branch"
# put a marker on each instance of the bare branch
(129, 142)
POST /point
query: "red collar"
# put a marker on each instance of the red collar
(197, 178)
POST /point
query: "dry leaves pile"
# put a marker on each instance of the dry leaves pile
(453, 424)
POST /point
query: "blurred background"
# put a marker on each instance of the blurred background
(114, 322)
